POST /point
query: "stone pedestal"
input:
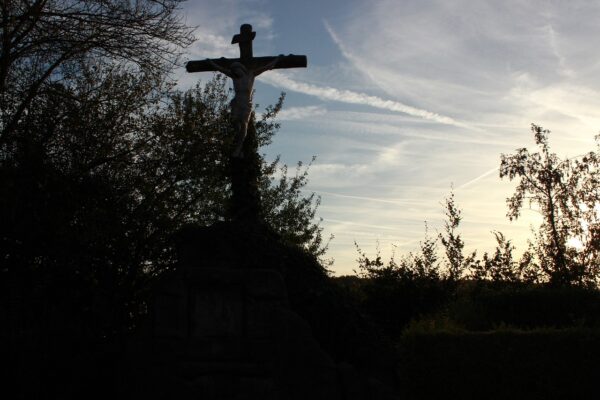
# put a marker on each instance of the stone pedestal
(229, 334)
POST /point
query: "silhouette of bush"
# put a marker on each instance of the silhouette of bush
(505, 364)
(486, 305)
(392, 302)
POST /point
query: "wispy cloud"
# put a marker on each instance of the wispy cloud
(363, 198)
(480, 177)
(356, 61)
(217, 21)
(295, 113)
(392, 228)
(347, 96)
(464, 59)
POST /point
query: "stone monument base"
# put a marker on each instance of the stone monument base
(229, 334)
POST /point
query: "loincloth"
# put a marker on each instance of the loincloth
(241, 109)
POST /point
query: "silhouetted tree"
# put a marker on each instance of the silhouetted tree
(585, 194)
(501, 265)
(289, 211)
(43, 42)
(77, 224)
(194, 145)
(555, 187)
(456, 262)
(107, 169)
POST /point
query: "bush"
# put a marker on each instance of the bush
(485, 305)
(506, 364)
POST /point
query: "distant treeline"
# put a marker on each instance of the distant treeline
(564, 249)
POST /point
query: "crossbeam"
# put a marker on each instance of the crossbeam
(289, 61)
(244, 40)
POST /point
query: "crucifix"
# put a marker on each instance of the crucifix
(245, 168)
(242, 72)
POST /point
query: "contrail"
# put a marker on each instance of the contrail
(275, 78)
(480, 177)
(360, 224)
(338, 42)
(347, 196)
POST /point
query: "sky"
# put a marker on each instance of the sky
(404, 99)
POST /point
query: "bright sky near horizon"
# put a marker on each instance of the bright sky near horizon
(403, 98)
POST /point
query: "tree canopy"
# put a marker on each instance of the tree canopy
(565, 192)
(102, 172)
(44, 42)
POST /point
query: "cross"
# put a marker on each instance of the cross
(244, 40)
(242, 72)
(245, 168)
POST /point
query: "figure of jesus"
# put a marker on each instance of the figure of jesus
(241, 105)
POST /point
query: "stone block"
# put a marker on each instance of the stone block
(216, 313)
(170, 312)
(232, 335)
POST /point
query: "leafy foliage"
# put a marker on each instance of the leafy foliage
(457, 264)
(565, 192)
(501, 265)
(44, 43)
(289, 212)
(80, 223)
(102, 172)
(399, 291)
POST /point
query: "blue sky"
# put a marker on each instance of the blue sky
(401, 99)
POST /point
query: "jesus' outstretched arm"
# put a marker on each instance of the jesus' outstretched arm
(267, 67)
(217, 67)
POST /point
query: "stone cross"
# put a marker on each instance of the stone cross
(242, 72)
